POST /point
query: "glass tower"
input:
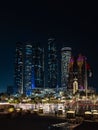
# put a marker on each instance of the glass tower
(19, 68)
(52, 64)
(65, 59)
(28, 69)
(38, 66)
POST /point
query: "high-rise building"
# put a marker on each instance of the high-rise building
(81, 71)
(72, 73)
(65, 59)
(52, 64)
(28, 70)
(77, 71)
(38, 66)
(19, 64)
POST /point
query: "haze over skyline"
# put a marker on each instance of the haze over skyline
(72, 26)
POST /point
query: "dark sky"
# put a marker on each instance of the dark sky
(71, 25)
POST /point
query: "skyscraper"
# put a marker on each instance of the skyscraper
(38, 66)
(72, 73)
(77, 70)
(19, 64)
(65, 59)
(28, 69)
(81, 71)
(52, 64)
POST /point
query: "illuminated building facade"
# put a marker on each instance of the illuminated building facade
(81, 71)
(52, 64)
(38, 66)
(72, 73)
(19, 64)
(77, 70)
(28, 69)
(65, 59)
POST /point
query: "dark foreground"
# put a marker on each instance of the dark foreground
(35, 122)
(87, 125)
(28, 122)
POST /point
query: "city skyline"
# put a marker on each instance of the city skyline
(54, 62)
(36, 22)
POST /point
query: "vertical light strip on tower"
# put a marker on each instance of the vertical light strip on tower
(28, 68)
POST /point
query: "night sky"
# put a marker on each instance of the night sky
(71, 25)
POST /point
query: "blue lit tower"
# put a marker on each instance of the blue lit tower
(38, 65)
(29, 68)
(28, 71)
(65, 59)
(18, 76)
(52, 64)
